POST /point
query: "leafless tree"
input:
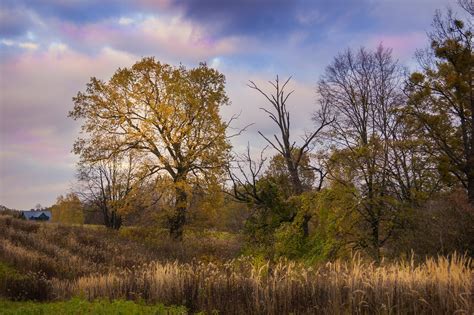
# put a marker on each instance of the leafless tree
(467, 5)
(244, 175)
(283, 143)
(363, 91)
(106, 183)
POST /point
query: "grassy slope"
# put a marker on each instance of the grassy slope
(53, 262)
(32, 253)
(63, 251)
(9, 277)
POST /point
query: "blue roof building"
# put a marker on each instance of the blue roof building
(40, 215)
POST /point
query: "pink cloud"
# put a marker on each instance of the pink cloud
(36, 136)
(162, 36)
(403, 45)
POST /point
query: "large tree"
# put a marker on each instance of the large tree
(441, 97)
(169, 114)
(363, 91)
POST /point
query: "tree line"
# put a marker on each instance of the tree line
(387, 147)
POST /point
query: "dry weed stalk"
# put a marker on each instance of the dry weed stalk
(442, 285)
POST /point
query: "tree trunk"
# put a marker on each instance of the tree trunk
(470, 182)
(305, 224)
(177, 221)
(470, 161)
(470, 173)
(105, 215)
(375, 240)
(297, 187)
(112, 220)
(116, 221)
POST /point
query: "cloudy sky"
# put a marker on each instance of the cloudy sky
(50, 48)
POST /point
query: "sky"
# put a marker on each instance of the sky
(49, 49)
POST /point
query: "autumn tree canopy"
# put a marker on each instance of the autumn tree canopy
(442, 101)
(169, 114)
(68, 209)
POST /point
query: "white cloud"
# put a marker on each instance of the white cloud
(28, 45)
(58, 48)
(30, 35)
(215, 62)
(171, 38)
(24, 45)
(126, 21)
(7, 42)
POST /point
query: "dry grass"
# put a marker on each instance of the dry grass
(442, 285)
(60, 262)
(45, 253)
(63, 251)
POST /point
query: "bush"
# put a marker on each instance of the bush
(17, 286)
(438, 227)
(289, 240)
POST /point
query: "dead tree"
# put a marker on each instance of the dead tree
(244, 175)
(282, 142)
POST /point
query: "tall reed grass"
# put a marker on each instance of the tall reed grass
(437, 286)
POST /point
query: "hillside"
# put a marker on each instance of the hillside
(51, 262)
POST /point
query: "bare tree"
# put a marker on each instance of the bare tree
(467, 5)
(363, 90)
(283, 143)
(106, 184)
(244, 174)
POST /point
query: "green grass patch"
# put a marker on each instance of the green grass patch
(8, 271)
(21, 286)
(80, 306)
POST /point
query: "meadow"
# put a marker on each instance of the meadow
(80, 306)
(98, 269)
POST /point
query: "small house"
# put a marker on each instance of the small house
(39, 215)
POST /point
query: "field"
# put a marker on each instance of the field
(67, 266)
(78, 306)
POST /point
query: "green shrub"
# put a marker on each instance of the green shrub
(289, 240)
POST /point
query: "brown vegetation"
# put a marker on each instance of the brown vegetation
(71, 251)
(442, 285)
(98, 263)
